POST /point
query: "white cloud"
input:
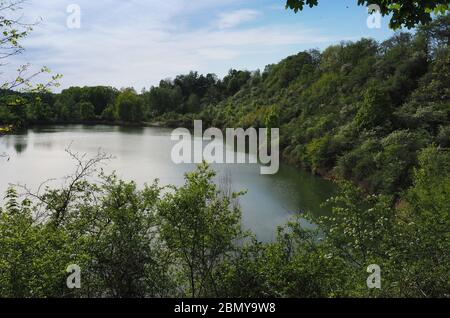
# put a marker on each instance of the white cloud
(137, 43)
(235, 18)
(218, 53)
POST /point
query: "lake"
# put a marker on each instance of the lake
(144, 154)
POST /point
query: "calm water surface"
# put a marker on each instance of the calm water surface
(143, 154)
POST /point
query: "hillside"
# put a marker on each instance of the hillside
(359, 111)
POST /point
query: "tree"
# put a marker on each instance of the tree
(162, 99)
(108, 230)
(109, 113)
(87, 111)
(99, 96)
(130, 106)
(201, 227)
(12, 31)
(193, 104)
(32, 257)
(374, 110)
(234, 81)
(404, 12)
(119, 248)
(425, 227)
(437, 33)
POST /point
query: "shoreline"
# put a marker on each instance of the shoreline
(328, 176)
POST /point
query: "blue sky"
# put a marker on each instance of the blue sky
(136, 43)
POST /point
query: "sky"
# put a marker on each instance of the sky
(136, 43)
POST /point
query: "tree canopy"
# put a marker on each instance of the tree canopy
(403, 12)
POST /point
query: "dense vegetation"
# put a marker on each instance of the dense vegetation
(186, 94)
(187, 241)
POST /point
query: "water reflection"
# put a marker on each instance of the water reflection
(20, 147)
(131, 130)
(143, 154)
(14, 143)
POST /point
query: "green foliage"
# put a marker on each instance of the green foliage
(12, 31)
(128, 242)
(115, 241)
(374, 109)
(200, 227)
(29, 253)
(193, 104)
(130, 106)
(408, 240)
(403, 12)
(187, 242)
(163, 99)
(87, 111)
(109, 113)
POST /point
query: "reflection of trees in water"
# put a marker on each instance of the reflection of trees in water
(20, 147)
(3, 154)
(131, 129)
(224, 185)
(306, 191)
(18, 142)
(48, 144)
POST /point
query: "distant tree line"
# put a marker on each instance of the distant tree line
(186, 94)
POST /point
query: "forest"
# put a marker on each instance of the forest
(373, 117)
